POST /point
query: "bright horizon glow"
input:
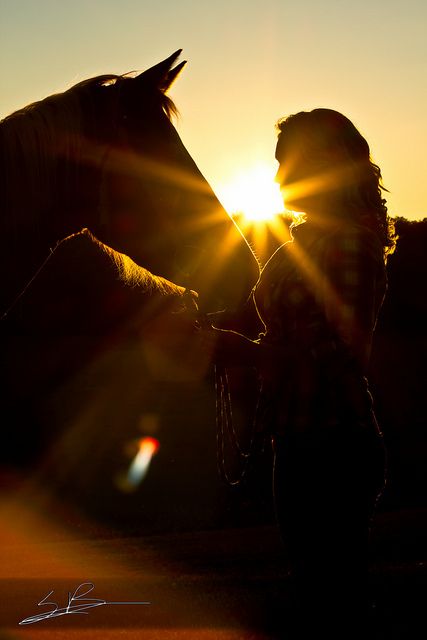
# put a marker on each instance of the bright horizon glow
(253, 194)
(230, 96)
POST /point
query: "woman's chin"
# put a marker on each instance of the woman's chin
(294, 205)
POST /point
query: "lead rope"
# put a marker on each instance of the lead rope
(225, 427)
(18, 297)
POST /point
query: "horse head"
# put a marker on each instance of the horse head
(106, 156)
(154, 205)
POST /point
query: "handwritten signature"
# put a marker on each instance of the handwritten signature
(77, 603)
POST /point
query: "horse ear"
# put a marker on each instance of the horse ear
(172, 75)
(159, 74)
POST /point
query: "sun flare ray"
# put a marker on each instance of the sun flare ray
(252, 194)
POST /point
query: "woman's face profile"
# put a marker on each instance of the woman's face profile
(293, 177)
(308, 184)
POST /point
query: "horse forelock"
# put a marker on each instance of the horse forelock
(124, 81)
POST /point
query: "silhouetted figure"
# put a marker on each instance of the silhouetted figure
(319, 296)
(105, 223)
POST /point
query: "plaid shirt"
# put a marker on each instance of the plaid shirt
(319, 297)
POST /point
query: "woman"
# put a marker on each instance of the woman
(319, 296)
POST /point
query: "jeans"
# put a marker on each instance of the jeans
(326, 485)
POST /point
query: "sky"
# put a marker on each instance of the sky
(249, 63)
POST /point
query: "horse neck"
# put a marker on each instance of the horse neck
(39, 171)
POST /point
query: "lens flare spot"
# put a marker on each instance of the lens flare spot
(138, 469)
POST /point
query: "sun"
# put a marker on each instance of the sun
(253, 194)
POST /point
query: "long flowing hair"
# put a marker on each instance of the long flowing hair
(326, 139)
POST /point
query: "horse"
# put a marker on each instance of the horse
(109, 233)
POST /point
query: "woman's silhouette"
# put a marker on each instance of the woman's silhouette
(319, 296)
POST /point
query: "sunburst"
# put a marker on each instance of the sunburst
(252, 194)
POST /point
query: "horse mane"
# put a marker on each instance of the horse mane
(133, 275)
(43, 147)
(128, 272)
(34, 139)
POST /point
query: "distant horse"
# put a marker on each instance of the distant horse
(106, 222)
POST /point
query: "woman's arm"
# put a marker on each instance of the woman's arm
(233, 349)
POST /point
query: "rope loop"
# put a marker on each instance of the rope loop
(226, 431)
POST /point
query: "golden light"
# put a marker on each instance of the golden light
(253, 194)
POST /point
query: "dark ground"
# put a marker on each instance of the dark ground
(227, 584)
